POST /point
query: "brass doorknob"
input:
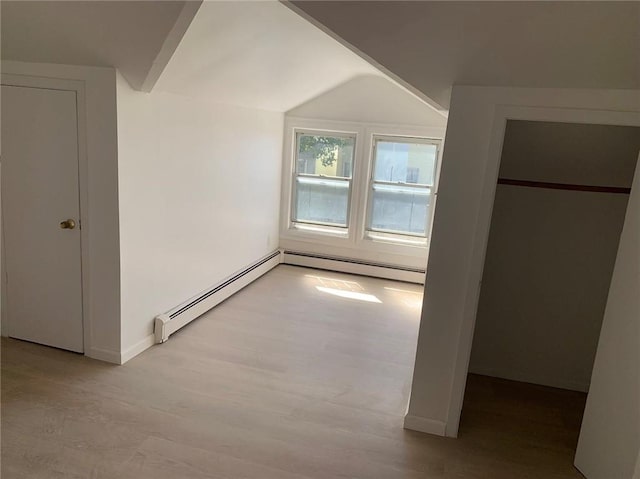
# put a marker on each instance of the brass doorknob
(68, 224)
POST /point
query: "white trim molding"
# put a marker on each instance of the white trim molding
(98, 194)
(351, 266)
(98, 184)
(168, 323)
(139, 347)
(423, 424)
(106, 355)
(355, 242)
(471, 159)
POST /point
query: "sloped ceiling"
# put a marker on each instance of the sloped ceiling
(132, 36)
(259, 55)
(433, 45)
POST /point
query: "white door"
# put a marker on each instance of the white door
(609, 444)
(39, 192)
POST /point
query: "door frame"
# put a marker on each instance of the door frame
(78, 88)
(471, 158)
(501, 116)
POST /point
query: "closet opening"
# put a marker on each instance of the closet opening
(558, 213)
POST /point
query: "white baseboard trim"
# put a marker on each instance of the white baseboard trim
(523, 377)
(171, 321)
(423, 424)
(169, 325)
(353, 266)
(137, 348)
(103, 355)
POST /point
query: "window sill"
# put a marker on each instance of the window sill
(395, 239)
(310, 229)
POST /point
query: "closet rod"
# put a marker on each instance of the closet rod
(564, 186)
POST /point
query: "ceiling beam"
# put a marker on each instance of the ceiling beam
(170, 44)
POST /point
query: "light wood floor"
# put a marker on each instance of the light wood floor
(287, 379)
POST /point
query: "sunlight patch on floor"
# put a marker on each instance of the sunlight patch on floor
(342, 289)
(411, 299)
(349, 294)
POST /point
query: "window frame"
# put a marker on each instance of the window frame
(399, 237)
(318, 226)
(341, 242)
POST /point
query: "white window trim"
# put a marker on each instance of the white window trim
(393, 237)
(354, 237)
(310, 226)
(312, 232)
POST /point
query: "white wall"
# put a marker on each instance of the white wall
(364, 106)
(551, 253)
(461, 228)
(99, 182)
(199, 187)
(549, 262)
(609, 444)
(370, 99)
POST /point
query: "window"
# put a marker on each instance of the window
(322, 179)
(400, 188)
(359, 187)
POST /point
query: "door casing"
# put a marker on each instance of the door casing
(78, 88)
(470, 165)
(502, 115)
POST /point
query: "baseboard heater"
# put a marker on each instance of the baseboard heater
(354, 266)
(168, 323)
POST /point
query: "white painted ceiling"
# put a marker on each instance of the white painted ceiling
(433, 45)
(126, 34)
(263, 55)
(259, 55)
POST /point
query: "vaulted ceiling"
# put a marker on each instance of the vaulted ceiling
(129, 35)
(434, 45)
(258, 55)
(264, 55)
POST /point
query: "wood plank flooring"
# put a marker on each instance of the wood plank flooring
(303, 374)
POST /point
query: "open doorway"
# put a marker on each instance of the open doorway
(558, 214)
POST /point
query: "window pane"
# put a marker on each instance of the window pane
(325, 155)
(405, 162)
(400, 209)
(321, 200)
